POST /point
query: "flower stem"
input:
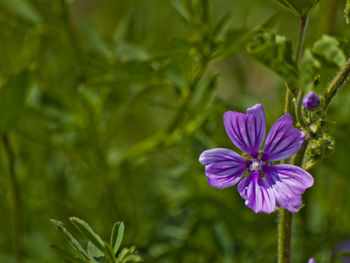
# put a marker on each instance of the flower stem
(288, 101)
(284, 235)
(336, 84)
(285, 217)
(16, 199)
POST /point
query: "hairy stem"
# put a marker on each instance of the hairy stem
(336, 84)
(285, 217)
(288, 101)
(284, 235)
(16, 200)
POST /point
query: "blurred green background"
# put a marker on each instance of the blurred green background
(106, 105)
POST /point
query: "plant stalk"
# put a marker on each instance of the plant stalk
(284, 235)
(285, 217)
(336, 84)
(16, 200)
(301, 37)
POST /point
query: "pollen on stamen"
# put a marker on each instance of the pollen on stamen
(256, 165)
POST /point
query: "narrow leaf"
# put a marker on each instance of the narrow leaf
(181, 9)
(71, 240)
(69, 255)
(93, 251)
(23, 9)
(132, 258)
(117, 236)
(88, 232)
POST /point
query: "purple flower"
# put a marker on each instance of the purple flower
(312, 260)
(311, 101)
(266, 184)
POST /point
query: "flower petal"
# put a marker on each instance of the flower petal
(247, 131)
(312, 260)
(283, 140)
(257, 193)
(288, 183)
(223, 167)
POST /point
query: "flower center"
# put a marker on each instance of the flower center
(256, 165)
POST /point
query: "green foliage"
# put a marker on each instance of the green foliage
(275, 52)
(299, 7)
(97, 251)
(23, 9)
(328, 48)
(347, 12)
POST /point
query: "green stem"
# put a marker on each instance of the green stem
(73, 39)
(301, 37)
(336, 84)
(16, 199)
(284, 235)
(285, 217)
(299, 108)
(288, 101)
(299, 157)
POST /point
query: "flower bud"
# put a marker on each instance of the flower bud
(311, 101)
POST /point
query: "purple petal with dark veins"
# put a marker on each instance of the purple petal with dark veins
(247, 131)
(257, 193)
(312, 260)
(283, 140)
(223, 167)
(288, 184)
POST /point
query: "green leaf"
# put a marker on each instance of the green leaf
(96, 42)
(181, 9)
(12, 100)
(123, 253)
(69, 255)
(235, 40)
(88, 232)
(23, 9)
(347, 12)
(299, 7)
(132, 258)
(117, 236)
(93, 251)
(71, 240)
(328, 48)
(122, 29)
(275, 52)
(127, 51)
